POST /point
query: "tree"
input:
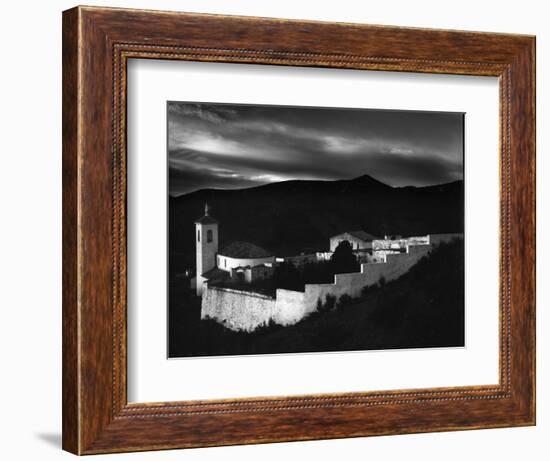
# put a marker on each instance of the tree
(330, 303)
(288, 277)
(343, 260)
(344, 301)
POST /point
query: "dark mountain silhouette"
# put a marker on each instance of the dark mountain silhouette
(291, 217)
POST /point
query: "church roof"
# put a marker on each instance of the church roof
(244, 250)
(206, 220)
(215, 274)
(360, 234)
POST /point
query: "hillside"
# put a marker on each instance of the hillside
(294, 216)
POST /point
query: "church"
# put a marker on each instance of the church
(238, 261)
(221, 273)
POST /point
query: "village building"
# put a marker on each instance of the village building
(243, 254)
(237, 261)
(220, 274)
(245, 262)
(395, 244)
(358, 239)
(361, 244)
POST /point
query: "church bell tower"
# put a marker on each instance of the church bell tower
(206, 241)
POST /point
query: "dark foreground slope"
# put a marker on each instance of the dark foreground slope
(423, 308)
(294, 216)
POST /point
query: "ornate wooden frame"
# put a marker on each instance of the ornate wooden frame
(97, 43)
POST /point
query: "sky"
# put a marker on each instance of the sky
(230, 146)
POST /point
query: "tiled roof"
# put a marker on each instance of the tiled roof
(360, 234)
(363, 235)
(244, 250)
(215, 274)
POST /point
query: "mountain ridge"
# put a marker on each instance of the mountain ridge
(290, 217)
(359, 179)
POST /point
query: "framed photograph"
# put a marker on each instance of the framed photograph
(282, 230)
(268, 251)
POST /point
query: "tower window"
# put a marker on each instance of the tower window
(209, 235)
(199, 235)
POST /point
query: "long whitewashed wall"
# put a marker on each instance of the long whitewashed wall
(237, 310)
(242, 310)
(351, 284)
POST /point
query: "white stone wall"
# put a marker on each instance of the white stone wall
(246, 311)
(240, 310)
(290, 307)
(371, 273)
(237, 310)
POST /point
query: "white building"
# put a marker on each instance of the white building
(240, 261)
(396, 244)
(245, 310)
(242, 254)
(358, 239)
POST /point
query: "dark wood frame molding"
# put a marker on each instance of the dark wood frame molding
(97, 43)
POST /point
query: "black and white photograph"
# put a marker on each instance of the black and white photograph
(275, 230)
(296, 229)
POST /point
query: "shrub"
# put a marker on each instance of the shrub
(345, 301)
(330, 303)
(367, 289)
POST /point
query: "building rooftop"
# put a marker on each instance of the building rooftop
(215, 274)
(244, 250)
(360, 234)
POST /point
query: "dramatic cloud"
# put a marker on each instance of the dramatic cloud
(234, 146)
